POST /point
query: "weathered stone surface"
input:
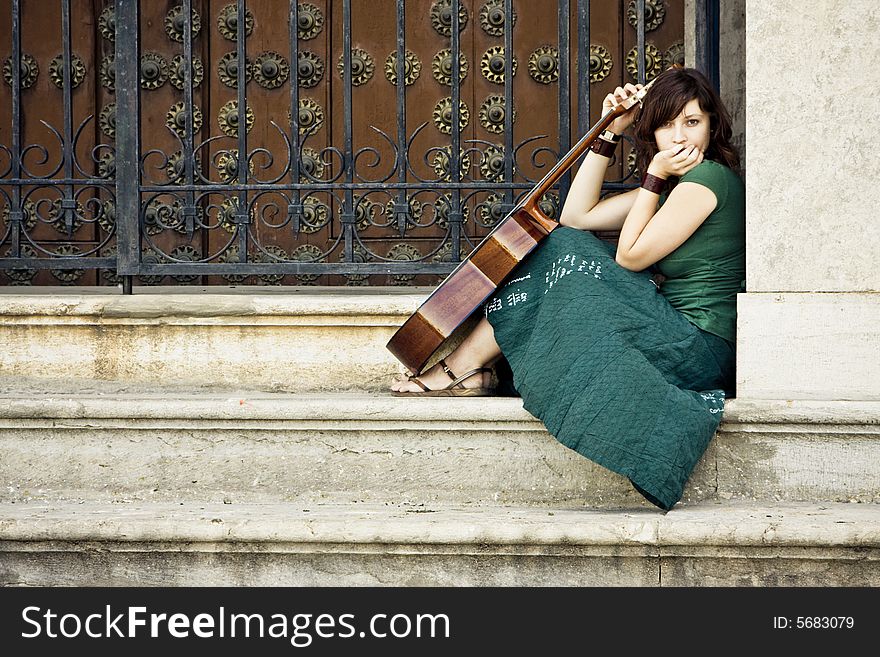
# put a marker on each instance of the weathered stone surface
(808, 346)
(133, 443)
(729, 544)
(311, 340)
(811, 207)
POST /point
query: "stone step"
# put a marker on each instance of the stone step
(109, 442)
(715, 544)
(291, 338)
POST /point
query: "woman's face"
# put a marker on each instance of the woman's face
(689, 128)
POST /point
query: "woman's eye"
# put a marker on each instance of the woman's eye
(693, 122)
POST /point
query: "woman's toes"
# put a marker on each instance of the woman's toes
(400, 384)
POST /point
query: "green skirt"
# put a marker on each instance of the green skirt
(608, 365)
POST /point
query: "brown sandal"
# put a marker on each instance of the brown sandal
(454, 389)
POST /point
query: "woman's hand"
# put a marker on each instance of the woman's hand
(621, 123)
(675, 161)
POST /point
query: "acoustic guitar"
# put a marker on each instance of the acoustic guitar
(485, 268)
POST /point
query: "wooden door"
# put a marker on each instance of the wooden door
(372, 154)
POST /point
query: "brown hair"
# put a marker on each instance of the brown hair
(671, 91)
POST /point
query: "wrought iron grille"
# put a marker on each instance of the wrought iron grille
(312, 196)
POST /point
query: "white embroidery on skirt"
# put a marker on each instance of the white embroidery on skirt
(493, 306)
(593, 267)
(521, 278)
(556, 273)
(717, 402)
(514, 298)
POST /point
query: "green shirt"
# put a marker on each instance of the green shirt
(704, 275)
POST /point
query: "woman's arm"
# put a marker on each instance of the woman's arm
(649, 234)
(582, 208)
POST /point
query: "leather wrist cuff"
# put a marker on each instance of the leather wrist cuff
(604, 147)
(654, 183)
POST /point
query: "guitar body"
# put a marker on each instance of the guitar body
(466, 288)
(480, 274)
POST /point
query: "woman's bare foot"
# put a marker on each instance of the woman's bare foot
(436, 379)
(477, 350)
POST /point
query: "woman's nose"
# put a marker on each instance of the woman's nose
(679, 136)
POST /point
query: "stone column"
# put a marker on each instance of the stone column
(809, 322)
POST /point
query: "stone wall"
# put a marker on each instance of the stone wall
(809, 324)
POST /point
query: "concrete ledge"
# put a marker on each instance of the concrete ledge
(718, 544)
(732, 524)
(808, 346)
(193, 305)
(791, 346)
(115, 443)
(306, 339)
(799, 451)
(33, 398)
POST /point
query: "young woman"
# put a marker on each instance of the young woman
(628, 374)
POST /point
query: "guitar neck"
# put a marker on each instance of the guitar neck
(529, 202)
(566, 162)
